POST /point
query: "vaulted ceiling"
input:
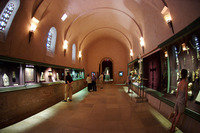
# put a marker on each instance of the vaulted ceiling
(123, 20)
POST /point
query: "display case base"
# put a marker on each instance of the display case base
(140, 99)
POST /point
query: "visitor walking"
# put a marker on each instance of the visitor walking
(89, 82)
(68, 87)
(101, 80)
(94, 87)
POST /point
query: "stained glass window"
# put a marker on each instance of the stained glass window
(73, 53)
(7, 16)
(51, 41)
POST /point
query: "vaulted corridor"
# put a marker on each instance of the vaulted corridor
(42, 41)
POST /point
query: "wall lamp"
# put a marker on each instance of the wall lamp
(142, 43)
(34, 23)
(65, 46)
(166, 54)
(131, 52)
(167, 16)
(80, 54)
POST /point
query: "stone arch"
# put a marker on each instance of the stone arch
(106, 66)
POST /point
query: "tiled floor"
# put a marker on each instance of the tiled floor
(109, 110)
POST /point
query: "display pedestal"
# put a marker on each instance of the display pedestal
(140, 91)
(107, 77)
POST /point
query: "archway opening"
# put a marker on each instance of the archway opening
(107, 69)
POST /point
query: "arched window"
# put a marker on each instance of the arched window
(7, 16)
(73, 53)
(51, 41)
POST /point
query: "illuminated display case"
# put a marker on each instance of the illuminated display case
(17, 74)
(184, 53)
(133, 68)
(77, 74)
(49, 74)
(9, 74)
(14, 74)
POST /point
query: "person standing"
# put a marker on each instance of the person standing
(89, 82)
(129, 82)
(68, 87)
(181, 99)
(101, 80)
(94, 87)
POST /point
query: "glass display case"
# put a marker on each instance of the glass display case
(184, 53)
(9, 74)
(133, 68)
(18, 74)
(14, 74)
(77, 74)
(49, 74)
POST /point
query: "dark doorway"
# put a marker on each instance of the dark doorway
(152, 71)
(107, 68)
